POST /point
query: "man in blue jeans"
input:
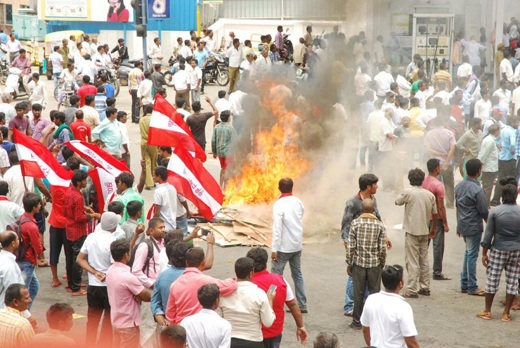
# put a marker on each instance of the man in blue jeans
(32, 204)
(471, 210)
(288, 237)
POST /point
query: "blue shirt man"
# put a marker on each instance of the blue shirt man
(508, 141)
(201, 56)
(109, 90)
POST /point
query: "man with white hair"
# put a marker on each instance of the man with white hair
(326, 340)
(7, 108)
(97, 249)
(263, 63)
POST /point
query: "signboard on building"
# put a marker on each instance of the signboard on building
(158, 9)
(86, 10)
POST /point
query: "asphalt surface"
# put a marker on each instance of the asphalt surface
(445, 319)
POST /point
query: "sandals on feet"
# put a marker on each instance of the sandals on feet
(484, 315)
(410, 295)
(506, 317)
(477, 293)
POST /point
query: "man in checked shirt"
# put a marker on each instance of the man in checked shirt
(366, 256)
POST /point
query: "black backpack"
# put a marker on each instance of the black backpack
(16, 227)
(146, 267)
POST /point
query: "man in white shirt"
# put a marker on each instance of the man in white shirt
(387, 319)
(7, 108)
(421, 94)
(248, 308)
(72, 46)
(181, 85)
(94, 45)
(9, 271)
(89, 68)
(386, 148)
(442, 93)
(39, 92)
(248, 67)
(196, 80)
(210, 42)
(9, 211)
(402, 82)
(263, 63)
(236, 100)
(144, 92)
(165, 199)
(56, 60)
(85, 45)
(206, 328)
(155, 52)
(97, 249)
(503, 94)
(14, 47)
(506, 69)
(234, 55)
(496, 117)
(488, 155)
(98, 59)
(185, 50)
(465, 70)
(383, 81)
(515, 99)
(222, 104)
(362, 81)
(288, 237)
(483, 106)
(374, 126)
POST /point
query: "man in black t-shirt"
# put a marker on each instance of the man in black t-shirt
(197, 122)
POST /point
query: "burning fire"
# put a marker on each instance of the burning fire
(259, 176)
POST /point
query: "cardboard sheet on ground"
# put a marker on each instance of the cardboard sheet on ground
(240, 228)
(236, 236)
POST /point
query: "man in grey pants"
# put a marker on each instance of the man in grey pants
(366, 255)
(288, 237)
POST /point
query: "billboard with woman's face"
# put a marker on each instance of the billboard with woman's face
(86, 10)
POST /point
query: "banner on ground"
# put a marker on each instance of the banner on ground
(38, 162)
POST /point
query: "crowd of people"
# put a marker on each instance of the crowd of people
(146, 281)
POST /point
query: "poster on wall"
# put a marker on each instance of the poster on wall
(158, 9)
(86, 10)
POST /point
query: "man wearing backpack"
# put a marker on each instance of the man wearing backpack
(30, 243)
(145, 265)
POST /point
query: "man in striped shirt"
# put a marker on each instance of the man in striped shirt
(366, 254)
(15, 330)
(224, 136)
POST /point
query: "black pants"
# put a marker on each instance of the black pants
(273, 342)
(438, 248)
(58, 238)
(202, 83)
(73, 269)
(97, 300)
(135, 106)
(363, 277)
(239, 343)
(505, 168)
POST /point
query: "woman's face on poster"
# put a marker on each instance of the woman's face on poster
(115, 4)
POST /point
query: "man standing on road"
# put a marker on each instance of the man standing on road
(432, 184)
(507, 155)
(471, 210)
(197, 122)
(107, 134)
(78, 216)
(97, 249)
(284, 295)
(488, 155)
(367, 189)
(135, 78)
(366, 255)
(182, 85)
(387, 319)
(420, 208)
(201, 55)
(155, 52)
(234, 55)
(86, 89)
(288, 237)
(196, 79)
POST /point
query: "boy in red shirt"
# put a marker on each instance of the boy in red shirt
(80, 128)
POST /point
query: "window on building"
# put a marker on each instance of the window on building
(8, 14)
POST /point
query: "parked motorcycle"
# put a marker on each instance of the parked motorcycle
(14, 84)
(4, 71)
(216, 69)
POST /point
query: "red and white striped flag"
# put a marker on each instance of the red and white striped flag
(193, 181)
(167, 128)
(38, 162)
(105, 185)
(98, 156)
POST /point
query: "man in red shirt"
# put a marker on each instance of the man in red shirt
(284, 295)
(80, 128)
(78, 216)
(32, 204)
(432, 184)
(58, 236)
(85, 89)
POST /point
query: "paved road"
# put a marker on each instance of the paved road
(446, 319)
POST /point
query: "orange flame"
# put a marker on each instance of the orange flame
(259, 176)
